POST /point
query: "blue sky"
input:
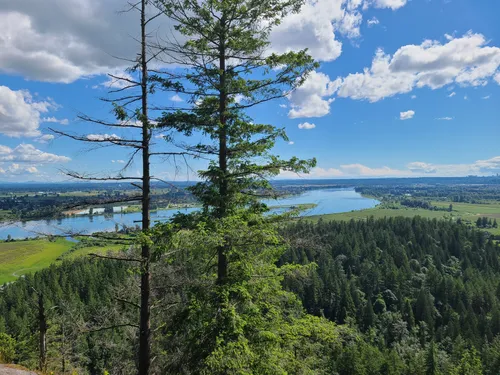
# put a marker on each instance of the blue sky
(405, 88)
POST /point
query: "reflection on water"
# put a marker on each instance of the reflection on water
(327, 201)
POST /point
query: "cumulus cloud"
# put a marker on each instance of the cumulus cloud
(18, 169)
(418, 166)
(118, 79)
(467, 61)
(452, 94)
(84, 37)
(373, 21)
(406, 115)
(486, 97)
(363, 170)
(103, 137)
(447, 118)
(392, 4)
(312, 98)
(27, 153)
(20, 112)
(44, 138)
(318, 24)
(63, 121)
(291, 142)
(413, 169)
(497, 78)
(176, 98)
(306, 126)
(490, 165)
(312, 28)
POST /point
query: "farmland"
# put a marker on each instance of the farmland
(467, 212)
(20, 257)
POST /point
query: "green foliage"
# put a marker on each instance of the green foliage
(470, 364)
(74, 292)
(7, 348)
(237, 318)
(412, 282)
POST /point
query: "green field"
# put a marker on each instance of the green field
(466, 211)
(21, 257)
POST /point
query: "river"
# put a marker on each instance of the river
(327, 201)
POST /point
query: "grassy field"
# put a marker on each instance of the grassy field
(465, 211)
(21, 257)
(382, 212)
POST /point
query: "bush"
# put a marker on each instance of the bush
(7, 348)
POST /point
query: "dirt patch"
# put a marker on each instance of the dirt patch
(15, 370)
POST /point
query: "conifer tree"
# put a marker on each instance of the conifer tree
(227, 70)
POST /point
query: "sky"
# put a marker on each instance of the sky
(405, 88)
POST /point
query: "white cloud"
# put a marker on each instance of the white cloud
(176, 98)
(406, 115)
(466, 97)
(306, 126)
(312, 28)
(45, 138)
(20, 113)
(490, 165)
(418, 166)
(103, 137)
(84, 37)
(63, 121)
(372, 22)
(445, 118)
(452, 94)
(414, 96)
(413, 169)
(81, 38)
(467, 61)
(316, 26)
(486, 97)
(479, 167)
(283, 105)
(497, 78)
(291, 142)
(27, 153)
(119, 161)
(363, 170)
(17, 169)
(118, 79)
(311, 99)
(392, 4)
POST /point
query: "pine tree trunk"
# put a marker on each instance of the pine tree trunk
(145, 310)
(42, 323)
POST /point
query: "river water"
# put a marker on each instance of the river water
(327, 201)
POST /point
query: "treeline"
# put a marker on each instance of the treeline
(485, 222)
(407, 296)
(415, 288)
(460, 193)
(48, 206)
(426, 205)
(75, 294)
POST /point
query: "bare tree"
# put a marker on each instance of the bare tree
(131, 109)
